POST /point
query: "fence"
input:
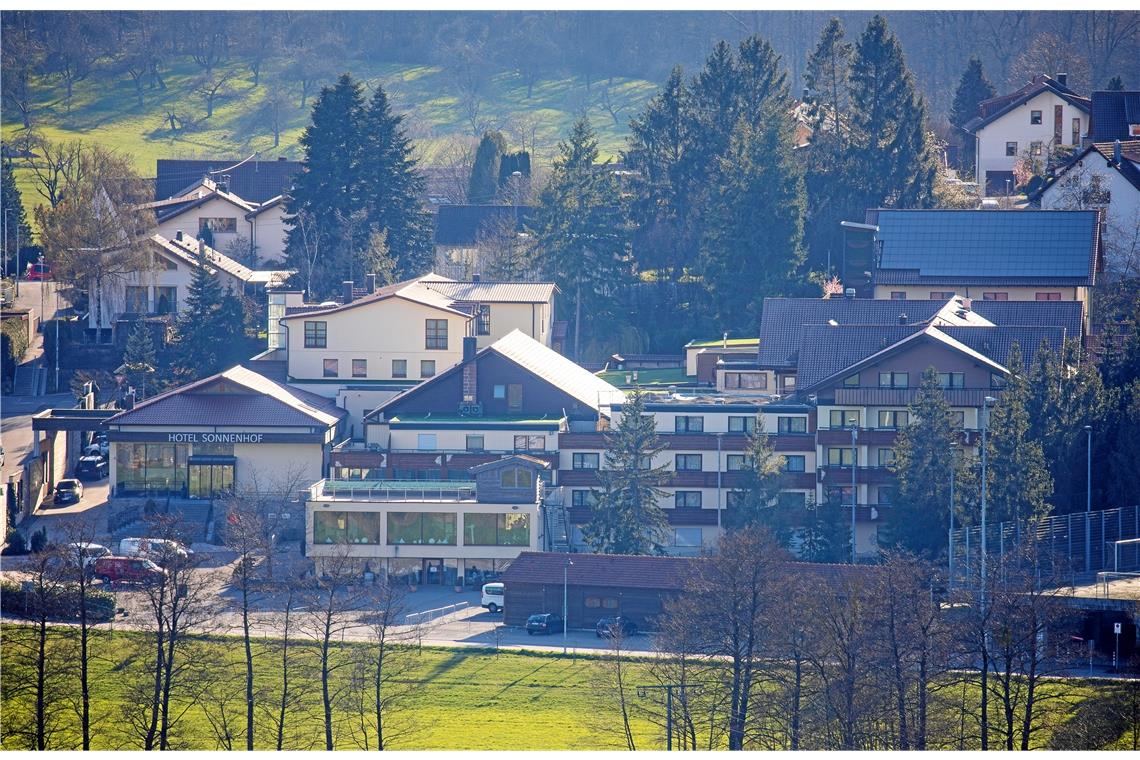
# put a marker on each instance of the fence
(436, 615)
(1069, 545)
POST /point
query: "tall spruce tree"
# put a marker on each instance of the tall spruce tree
(484, 184)
(580, 232)
(390, 187)
(140, 359)
(211, 328)
(754, 503)
(973, 88)
(889, 161)
(626, 518)
(17, 233)
(1019, 480)
(924, 457)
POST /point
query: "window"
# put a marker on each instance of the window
(435, 334)
(399, 368)
(1011, 149)
(898, 295)
(360, 368)
(957, 420)
(687, 537)
(683, 424)
(745, 380)
(840, 457)
(941, 295)
(421, 528)
(427, 368)
(474, 443)
(795, 463)
(516, 477)
(886, 457)
(741, 424)
(514, 397)
(851, 381)
(951, 380)
(331, 367)
(788, 381)
(584, 462)
(688, 462)
(580, 498)
(214, 224)
(166, 301)
(137, 299)
(997, 382)
(838, 495)
(995, 296)
(316, 334)
(1048, 296)
(1035, 148)
(734, 462)
(426, 442)
(894, 379)
(346, 527)
(687, 499)
(509, 529)
(1034, 117)
(893, 420)
(499, 391)
(844, 418)
(791, 424)
(530, 443)
(483, 320)
(1077, 131)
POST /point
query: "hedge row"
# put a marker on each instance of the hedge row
(62, 602)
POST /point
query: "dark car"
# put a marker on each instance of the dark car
(547, 622)
(608, 627)
(67, 491)
(92, 467)
(112, 570)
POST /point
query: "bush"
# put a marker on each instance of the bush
(62, 602)
(16, 544)
(39, 540)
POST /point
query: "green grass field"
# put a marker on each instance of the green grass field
(460, 699)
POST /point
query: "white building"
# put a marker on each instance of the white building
(1033, 121)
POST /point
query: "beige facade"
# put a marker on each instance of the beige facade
(219, 214)
(1017, 131)
(1000, 292)
(534, 319)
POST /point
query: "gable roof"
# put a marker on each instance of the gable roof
(237, 396)
(783, 320)
(1129, 153)
(167, 210)
(1110, 114)
(994, 108)
(460, 224)
(408, 290)
(511, 459)
(495, 292)
(1009, 247)
(253, 181)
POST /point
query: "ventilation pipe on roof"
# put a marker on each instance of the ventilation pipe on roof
(849, 293)
(346, 291)
(1063, 78)
(902, 318)
(476, 277)
(178, 236)
(370, 282)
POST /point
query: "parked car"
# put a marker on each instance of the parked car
(547, 622)
(161, 550)
(39, 272)
(85, 553)
(608, 627)
(92, 467)
(111, 570)
(493, 597)
(67, 491)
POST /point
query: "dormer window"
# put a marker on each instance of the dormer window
(516, 477)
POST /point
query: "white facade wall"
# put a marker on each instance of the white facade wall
(268, 232)
(1015, 126)
(189, 222)
(534, 319)
(1122, 222)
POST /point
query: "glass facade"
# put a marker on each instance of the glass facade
(509, 529)
(143, 468)
(346, 527)
(421, 528)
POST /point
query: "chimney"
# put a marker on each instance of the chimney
(469, 347)
(476, 277)
(1116, 153)
(370, 282)
(178, 236)
(129, 399)
(470, 371)
(849, 293)
(224, 184)
(1063, 78)
(902, 318)
(967, 304)
(346, 291)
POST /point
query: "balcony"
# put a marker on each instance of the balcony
(391, 490)
(880, 437)
(840, 475)
(730, 442)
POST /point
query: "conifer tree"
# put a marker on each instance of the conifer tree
(755, 500)
(211, 329)
(14, 217)
(139, 358)
(626, 517)
(484, 184)
(973, 88)
(1019, 480)
(580, 232)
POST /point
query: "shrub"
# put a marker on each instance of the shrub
(62, 602)
(39, 540)
(16, 544)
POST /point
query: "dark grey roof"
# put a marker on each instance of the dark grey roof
(996, 107)
(783, 319)
(1006, 247)
(460, 224)
(996, 342)
(252, 181)
(1111, 113)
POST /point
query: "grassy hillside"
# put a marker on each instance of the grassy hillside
(105, 110)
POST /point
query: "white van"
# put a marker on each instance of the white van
(493, 597)
(156, 549)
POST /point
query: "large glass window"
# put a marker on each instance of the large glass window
(892, 420)
(582, 498)
(794, 462)
(530, 443)
(516, 477)
(399, 368)
(688, 462)
(146, 467)
(504, 529)
(435, 334)
(483, 320)
(741, 424)
(474, 443)
(346, 527)
(360, 368)
(166, 301)
(316, 334)
(952, 379)
(687, 537)
(687, 424)
(894, 379)
(844, 418)
(427, 368)
(331, 368)
(746, 380)
(584, 462)
(840, 457)
(687, 499)
(421, 528)
(136, 299)
(734, 462)
(791, 424)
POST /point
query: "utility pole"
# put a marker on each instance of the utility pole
(565, 596)
(985, 424)
(854, 488)
(953, 467)
(1088, 499)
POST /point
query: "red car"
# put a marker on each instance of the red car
(112, 570)
(38, 272)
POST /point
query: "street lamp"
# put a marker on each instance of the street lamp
(985, 424)
(953, 467)
(1088, 499)
(854, 489)
(565, 587)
